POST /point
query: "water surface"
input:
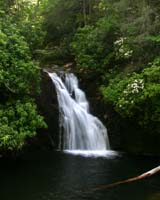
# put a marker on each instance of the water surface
(63, 176)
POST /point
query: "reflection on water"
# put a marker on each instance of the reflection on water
(61, 176)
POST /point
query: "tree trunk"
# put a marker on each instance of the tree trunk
(142, 176)
(84, 13)
(90, 7)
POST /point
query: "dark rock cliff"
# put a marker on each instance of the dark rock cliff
(48, 107)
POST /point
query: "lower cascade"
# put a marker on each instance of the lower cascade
(79, 130)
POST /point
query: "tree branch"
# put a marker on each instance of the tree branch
(142, 176)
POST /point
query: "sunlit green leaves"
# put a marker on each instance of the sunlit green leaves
(18, 121)
(137, 97)
(16, 68)
(19, 75)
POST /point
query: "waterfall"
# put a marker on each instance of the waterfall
(80, 130)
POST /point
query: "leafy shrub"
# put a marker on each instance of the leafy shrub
(16, 68)
(19, 80)
(93, 46)
(19, 120)
(137, 96)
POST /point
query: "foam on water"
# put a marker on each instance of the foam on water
(92, 153)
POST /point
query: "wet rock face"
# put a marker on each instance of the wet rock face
(48, 107)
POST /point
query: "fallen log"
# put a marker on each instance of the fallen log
(142, 176)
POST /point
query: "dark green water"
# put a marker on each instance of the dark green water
(60, 176)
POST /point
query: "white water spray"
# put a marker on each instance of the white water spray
(79, 129)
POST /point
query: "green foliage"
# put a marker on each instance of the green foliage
(16, 68)
(125, 34)
(19, 76)
(18, 121)
(27, 18)
(31, 26)
(34, 34)
(137, 97)
(62, 19)
(122, 49)
(93, 46)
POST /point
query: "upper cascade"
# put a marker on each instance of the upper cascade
(79, 130)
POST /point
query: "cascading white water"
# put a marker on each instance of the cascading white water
(81, 130)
